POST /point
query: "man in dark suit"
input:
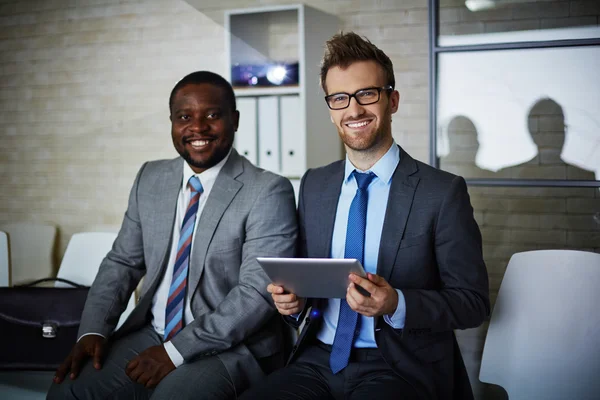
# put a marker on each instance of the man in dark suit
(204, 327)
(411, 225)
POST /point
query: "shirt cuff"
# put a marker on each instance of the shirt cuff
(397, 320)
(173, 354)
(90, 333)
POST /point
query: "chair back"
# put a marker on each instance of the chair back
(83, 257)
(82, 260)
(543, 340)
(4, 260)
(31, 250)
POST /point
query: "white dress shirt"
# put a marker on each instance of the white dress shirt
(159, 302)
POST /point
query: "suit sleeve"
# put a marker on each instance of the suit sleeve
(296, 321)
(271, 231)
(463, 300)
(118, 275)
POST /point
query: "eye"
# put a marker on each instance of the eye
(184, 117)
(367, 93)
(214, 115)
(339, 98)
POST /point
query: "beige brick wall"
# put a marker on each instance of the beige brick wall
(83, 102)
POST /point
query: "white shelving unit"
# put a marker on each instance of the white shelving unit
(285, 129)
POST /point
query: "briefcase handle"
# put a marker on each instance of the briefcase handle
(68, 282)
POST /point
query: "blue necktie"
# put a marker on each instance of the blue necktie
(177, 290)
(347, 327)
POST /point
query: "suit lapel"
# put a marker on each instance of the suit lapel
(166, 188)
(221, 195)
(399, 204)
(326, 208)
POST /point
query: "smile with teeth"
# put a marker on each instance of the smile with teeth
(358, 124)
(199, 143)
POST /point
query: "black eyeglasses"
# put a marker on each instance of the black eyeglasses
(339, 101)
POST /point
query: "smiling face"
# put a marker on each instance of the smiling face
(203, 125)
(363, 129)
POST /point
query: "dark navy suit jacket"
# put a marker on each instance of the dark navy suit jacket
(431, 250)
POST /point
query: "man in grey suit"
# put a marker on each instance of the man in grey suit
(205, 326)
(413, 229)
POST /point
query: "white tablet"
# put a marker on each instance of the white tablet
(312, 277)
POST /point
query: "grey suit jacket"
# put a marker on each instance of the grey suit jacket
(249, 213)
(430, 249)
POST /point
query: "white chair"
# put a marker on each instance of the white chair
(4, 260)
(31, 250)
(543, 340)
(82, 259)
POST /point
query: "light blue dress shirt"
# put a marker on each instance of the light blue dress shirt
(379, 191)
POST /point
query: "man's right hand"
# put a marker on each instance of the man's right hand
(286, 303)
(89, 346)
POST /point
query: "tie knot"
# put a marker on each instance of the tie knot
(363, 180)
(195, 185)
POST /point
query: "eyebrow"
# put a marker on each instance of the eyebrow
(365, 88)
(187, 109)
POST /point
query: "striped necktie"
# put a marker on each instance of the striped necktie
(177, 291)
(347, 326)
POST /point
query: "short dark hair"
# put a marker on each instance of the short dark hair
(200, 77)
(344, 49)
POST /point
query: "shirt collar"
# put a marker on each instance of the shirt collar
(384, 167)
(208, 177)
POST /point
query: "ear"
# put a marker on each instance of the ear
(236, 120)
(394, 101)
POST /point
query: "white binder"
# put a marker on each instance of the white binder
(268, 133)
(246, 136)
(293, 143)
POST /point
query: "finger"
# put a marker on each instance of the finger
(144, 378)
(364, 283)
(353, 303)
(284, 298)
(135, 373)
(287, 306)
(76, 363)
(98, 355)
(131, 365)
(360, 294)
(151, 383)
(62, 370)
(359, 303)
(272, 288)
(377, 280)
(291, 311)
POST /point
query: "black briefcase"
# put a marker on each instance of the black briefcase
(38, 325)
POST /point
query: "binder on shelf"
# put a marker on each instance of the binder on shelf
(293, 147)
(247, 133)
(268, 133)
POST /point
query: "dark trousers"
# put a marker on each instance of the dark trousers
(367, 376)
(205, 378)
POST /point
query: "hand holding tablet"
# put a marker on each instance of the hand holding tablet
(312, 277)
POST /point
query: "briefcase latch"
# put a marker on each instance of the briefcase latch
(49, 330)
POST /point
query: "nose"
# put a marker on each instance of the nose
(354, 109)
(198, 125)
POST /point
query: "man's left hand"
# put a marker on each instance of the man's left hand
(150, 366)
(383, 299)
